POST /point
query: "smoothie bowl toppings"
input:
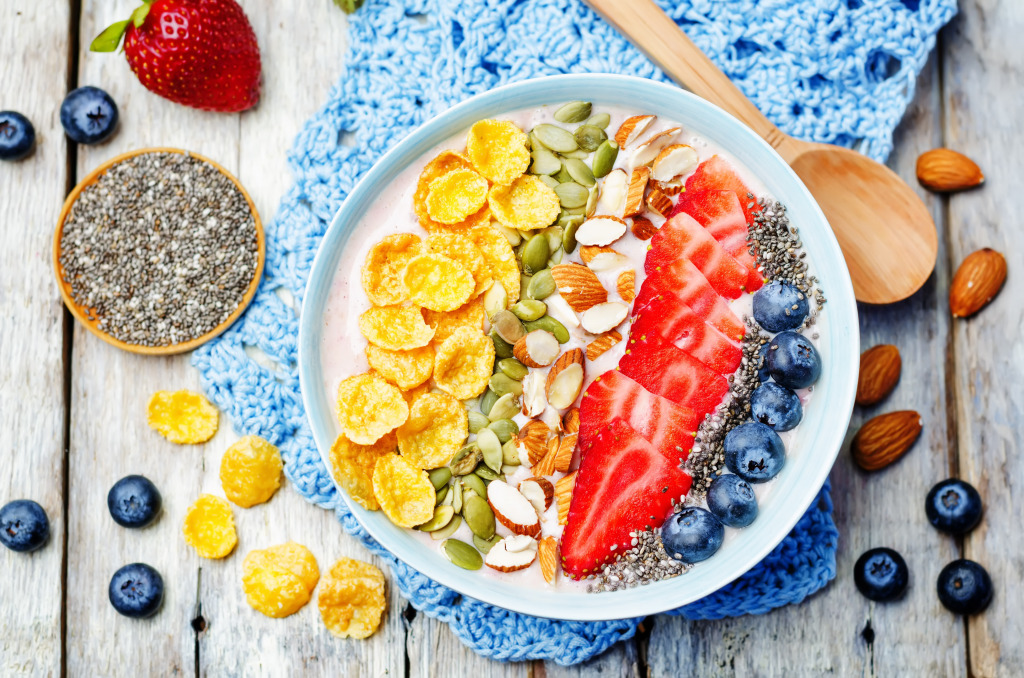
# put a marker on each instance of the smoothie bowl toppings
(571, 341)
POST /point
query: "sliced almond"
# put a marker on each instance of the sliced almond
(538, 348)
(659, 202)
(600, 230)
(669, 188)
(647, 151)
(565, 379)
(602, 344)
(517, 543)
(578, 286)
(625, 285)
(588, 252)
(613, 193)
(553, 419)
(674, 161)
(534, 399)
(512, 509)
(636, 191)
(539, 491)
(546, 466)
(533, 437)
(600, 318)
(563, 456)
(571, 420)
(632, 128)
(502, 558)
(643, 228)
(563, 495)
(559, 309)
(608, 261)
(547, 554)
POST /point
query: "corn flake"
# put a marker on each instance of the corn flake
(183, 417)
(470, 314)
(436, 428)
(351, 599)
(500, 258)
(438, 283)
(527, 204)
(385, 263)
(404, 369)
(478, 218)
(445, 162)
(464, 363)
(461, 248)
(250, 471)
(210, 527)
(353, 466)
(497, 149)
(415, 393)
(278, 581)
(369, 408)
(396, 328)
(404, 491)
(456, 195)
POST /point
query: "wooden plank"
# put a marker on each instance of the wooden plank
(983, 69)
(32, 332)
(838, 631)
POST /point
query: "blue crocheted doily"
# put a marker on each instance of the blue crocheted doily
(838, 71)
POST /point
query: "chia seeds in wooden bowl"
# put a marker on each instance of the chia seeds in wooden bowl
(158, 251)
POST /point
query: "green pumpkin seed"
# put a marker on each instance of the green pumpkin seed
(579, 154)
(555, 259)
(570, 224)
(535, 142)
(574, 111)
(571, 194)
(485, 545)
(448, 530)
(599, 120)
(544, 162)
(543, 285)
(495, 299)
(580, 173)
(563, 175)
(511, 234)
(604, 158)
(442, 516)
(502, 349)
(486, 474)
(571, 212)
(535, 254)
(529, 309)
(589, 138)
(505, 429)
(503, 385)
(446, 500)
(550, 182)
(479, 517)
(490, 446)
(478, 420)
(551, 325)
(524, 282)
(487, 401)
(510, 454)
(555, 138)
(554, 237)
(462, 554)
(457, 496)
(474, 484)
(466, 459)
(512, 368)
(505, 407)
(595, 195)
(439, 477)
(442, 494)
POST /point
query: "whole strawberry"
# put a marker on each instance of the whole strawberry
(200, 53)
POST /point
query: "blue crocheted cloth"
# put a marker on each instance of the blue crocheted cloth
(838, 71)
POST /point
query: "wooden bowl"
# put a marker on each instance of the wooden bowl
(82, 314)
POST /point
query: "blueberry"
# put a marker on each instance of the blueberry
(881, 574)
(136, 590)
(754, 452)
(762, 370)
(23, 525)
(793, 361)
(776, 406)
(953, 506)
(780, 306)
(134, 501)
(17, 136)
(964, 587)
(692, 535)
(732, 501)
(88, 115)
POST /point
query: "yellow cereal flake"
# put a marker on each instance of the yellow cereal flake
(464, 363)
(478, 218)
(438, 283)
(385, 263)
(404, 369)
(250, 471)
(404, 491)
(210, 527)
(369, 408)
(351, 599)
(435, 430)
(497, 149)
(456, 195)
(500, 258)
(353, 464)
(278, 581)
(397, 328)
(415, 393)
(461, 248)
(183, 417)
(445, 162)
(527, 204)
(470, 314)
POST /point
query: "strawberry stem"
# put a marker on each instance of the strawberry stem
(110, 38)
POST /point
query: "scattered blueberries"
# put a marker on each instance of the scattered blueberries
(780, 306)
(754, 452)
(776, 406)
(731, 499)
(134, 501)
(953, 506)
(136, 590)
(23, 525)
(881, 574)
(964, 587)
(17, 136)
(89, 115)
(792, 360)
(693, 534)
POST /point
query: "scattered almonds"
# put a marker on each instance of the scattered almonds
(976, 282)
(879, 373)
(565, 379)
(602, 343)
(885, 438)
(636, 192)
(944, 170)
(643, 228)
(631, 129)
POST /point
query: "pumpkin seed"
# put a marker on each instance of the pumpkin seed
(442, 516)
(474, 484)
(507, 326)
(511, 234)
(529, 309)
(595, 194)
(512, 368)
(599, 120)
(551, 325)
(505, 429)
(466, 459)
(506, 407)
(544, 162)
(446, 500)
(510, 454)
(550, 182)
(579, 154)
(524, 282)
(543, 284)
(495, 299)
(604, 158)
(457, 496)
(580, 173)
(571, 194)
(503, 385)
(485, 545)
(462, 554)
(448, 530)
(572, 212)
(487, 401)
(574, 111)
(589, 137)
(479, 517)
(570, 224)
(439, 477)
(535, 254)
(563, 175)
(555, 259)
(535, 142)
(442, 494)
(486, 474)
(478, 420)
(554, 236)
(490, 446)
(555, 138)
(502, 349)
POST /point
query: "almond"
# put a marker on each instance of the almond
(563, 495)
(944, 170)
(976, 282)
(602, 344)
(539, 491)
(646, 152)
(885, 438)
(613, 193)
(563, 456)
(534, 437)
(538, 348)
(534, 399)
(601, 318)
(578, 286)
(512, 554)
(546, 466)
(565, 379)
(512, 509)
(625, 285)
(588, 252)
(879, 373)
(635, 193)
(659, 202)
(571, 420)
(600, 230)
(547, 554)
(670, 188)
(632, 128)
(673, 161)
(643, 228)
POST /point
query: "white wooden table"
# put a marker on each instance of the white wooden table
(72, 408)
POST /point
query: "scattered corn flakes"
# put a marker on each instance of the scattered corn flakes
(464, 363)
(527, 204)
(397, 328)
(497, 149)
(435, 430)
(415, 393)
(470, 314)
(183, 417)
(404, 369)
(459, 247)
(385, 263)
(369, 408)
(250, 471)
(210, 527)
(456, 195)
(353, 466)
(351, 599)
(500, 258)
(404, 491)
(279, 580)
(478, 218)
(445, 162)
(438, 283)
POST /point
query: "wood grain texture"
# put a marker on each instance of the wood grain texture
(32, 332)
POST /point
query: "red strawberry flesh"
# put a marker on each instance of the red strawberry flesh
(721, 214)
(716, 173)
(683, 282)
(682, 237)
(671, 372)
(676, 323)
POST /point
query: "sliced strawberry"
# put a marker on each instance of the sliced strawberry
(677, 324)
(721, 214)
(673, 373)
(684, 282)
(615, 397)
(682, 237)
(717, 174)
(624, 484)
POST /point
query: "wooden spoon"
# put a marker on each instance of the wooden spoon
(886, 233)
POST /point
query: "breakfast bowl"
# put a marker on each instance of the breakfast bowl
(810, 454)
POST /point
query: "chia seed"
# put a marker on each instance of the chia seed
(644, 563)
